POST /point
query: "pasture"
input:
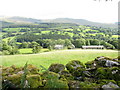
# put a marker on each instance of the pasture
(58, 56)
(29, 50)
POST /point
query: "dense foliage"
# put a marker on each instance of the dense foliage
(48, 35)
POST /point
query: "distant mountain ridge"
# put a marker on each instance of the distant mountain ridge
(57, 20)
(20, 20)
(80, 22)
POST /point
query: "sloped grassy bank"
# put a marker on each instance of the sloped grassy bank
(103, 73)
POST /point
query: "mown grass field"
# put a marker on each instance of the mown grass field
(29, 50)
(62, 56)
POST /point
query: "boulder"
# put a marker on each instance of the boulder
(118, 58)
(57, 68)
(49, 75)
(87, 74)
(111, 63)
(15, 78)
(32, 69)
(102, 73)
(115, 73)
(89, 85)
(76, 68)
(90, 65)
(34, 81)
(65, 74)
(74, 84)
(112, 73)
(109, 86)
(74, 65)
(56, 84)
(51, 80)
(105, 62)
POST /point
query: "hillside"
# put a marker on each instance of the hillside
(57, 20)
(19, 20)
(80, 22)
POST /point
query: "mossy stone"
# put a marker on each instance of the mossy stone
(74, 84)
(15, 78)
(118, 57)
(8, 70)
(90, 65)
(89, 85)
(56, 68)
(115, 73)
(73, 65)
(32, 69)
(78, 72)
(55, 83)
(102, 73)
(34, 81)
(66, 75)
(49, 75)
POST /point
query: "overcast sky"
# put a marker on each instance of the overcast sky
(105, 12)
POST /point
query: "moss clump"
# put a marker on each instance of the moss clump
(73, 65)
(74, 84)
(103, 73)
(56, 68)
(8, 70)
(104, 81)
(32, 69)
(89, 85)
(115, 73)
(118, 83)
(65, 74)
(89, 64)
(101, 61)
(34, 81)
(48, 75)
(118, 57)
(78, 72)
(55, 83)
(15, 78)
(52, 80)
(91, 80)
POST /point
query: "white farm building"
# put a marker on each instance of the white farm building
(92, 47)
(59, 46)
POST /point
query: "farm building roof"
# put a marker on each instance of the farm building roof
(93, 46)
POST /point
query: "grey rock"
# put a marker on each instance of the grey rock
(106, 62)
(109, 86)
(111, 63)
(87, 73)
(20, 72)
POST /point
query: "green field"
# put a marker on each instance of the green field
(115, 36)
(11, 29)
(26, 51)
(29, 50)
(61, 56)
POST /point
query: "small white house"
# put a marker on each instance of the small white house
(93, 47)
(59, 46)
